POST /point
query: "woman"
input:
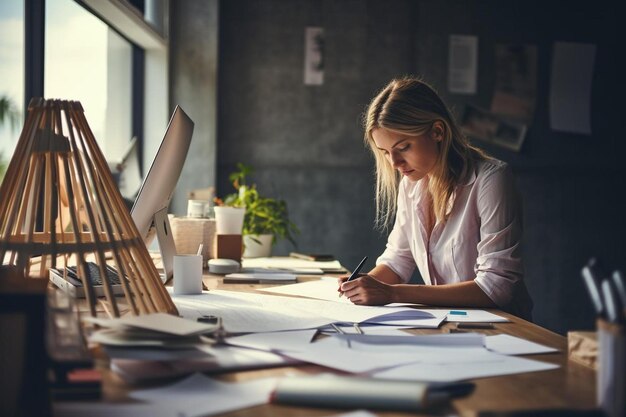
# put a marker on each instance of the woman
(457, 214)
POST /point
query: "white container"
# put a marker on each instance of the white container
(199, 209)
(187, 274)
(611, 383)
(229, 220)
(257, 246)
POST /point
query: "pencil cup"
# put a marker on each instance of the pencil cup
(611, 382)
(229, 220)
(187, 274)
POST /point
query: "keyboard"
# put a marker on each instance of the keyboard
(93, 275)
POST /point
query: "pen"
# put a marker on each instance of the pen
(355, 273)
(610, 303)
(591, 280)
(618, 281)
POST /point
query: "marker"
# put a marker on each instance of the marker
(591, 278)
(618, 282)
(610, 302)
(356, 271)
(458, 313)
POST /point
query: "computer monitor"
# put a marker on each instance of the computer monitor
(149, 211)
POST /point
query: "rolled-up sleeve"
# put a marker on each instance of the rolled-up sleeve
(397, 255)
(499, 264)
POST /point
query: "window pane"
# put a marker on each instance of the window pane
(11, 76)
(87, 61)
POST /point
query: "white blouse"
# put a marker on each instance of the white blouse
(480, 241)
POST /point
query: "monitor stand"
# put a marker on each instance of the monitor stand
(166, 242)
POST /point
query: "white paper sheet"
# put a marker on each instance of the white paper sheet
(475, 316)
(323, 289)
(570, 87)
(511, 345)
(441, 340)
(200, 395)
(447, 372)
(274, 341)
(357, 413)
(252, 312)
(462, 64)
(333, 352)
(369, 329)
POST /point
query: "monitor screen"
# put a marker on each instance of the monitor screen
(149, 211)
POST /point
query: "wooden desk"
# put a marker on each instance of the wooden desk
(570, 386)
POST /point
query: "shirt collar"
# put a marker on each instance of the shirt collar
(469, 178)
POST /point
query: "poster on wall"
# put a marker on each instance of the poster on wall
(516, 82)
(313, 56)
(462, 64)
(570, 87)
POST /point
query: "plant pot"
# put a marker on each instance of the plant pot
(229, 220)
(257, 246)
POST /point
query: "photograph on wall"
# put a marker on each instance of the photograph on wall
(488, 127)
(516, 82)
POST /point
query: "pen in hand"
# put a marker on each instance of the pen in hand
(355, 273)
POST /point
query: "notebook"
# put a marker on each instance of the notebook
(72, 284)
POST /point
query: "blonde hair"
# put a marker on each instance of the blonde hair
(410, 106)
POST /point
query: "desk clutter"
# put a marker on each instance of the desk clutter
(369, 345)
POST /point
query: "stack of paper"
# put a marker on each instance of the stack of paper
(150, 330)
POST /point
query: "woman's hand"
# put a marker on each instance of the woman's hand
(366, 290)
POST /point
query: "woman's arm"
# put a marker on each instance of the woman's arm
(367, 290)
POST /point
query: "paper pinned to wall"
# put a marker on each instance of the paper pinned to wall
(463, 64)
(313, 56)
(570, 87)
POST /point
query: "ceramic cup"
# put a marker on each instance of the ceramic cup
(187, 274)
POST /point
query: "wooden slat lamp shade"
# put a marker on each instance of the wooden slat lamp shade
(59, 206)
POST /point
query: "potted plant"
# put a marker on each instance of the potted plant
(266, 220)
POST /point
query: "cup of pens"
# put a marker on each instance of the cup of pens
(611, 376)
(608, 295)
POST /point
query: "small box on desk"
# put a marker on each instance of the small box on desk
(582, 348)
(228, 247)
(190, 232)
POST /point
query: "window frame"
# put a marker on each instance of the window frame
(128, 22)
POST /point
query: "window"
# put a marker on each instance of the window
(11, 75)
(86, 60)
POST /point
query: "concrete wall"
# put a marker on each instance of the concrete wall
(305, 142)
(193, 86)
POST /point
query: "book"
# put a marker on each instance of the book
(258, 278)
(312, 256)
(334, 391)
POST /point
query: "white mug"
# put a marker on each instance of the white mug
(187, 274)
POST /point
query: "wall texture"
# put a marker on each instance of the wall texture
(305, 142)
(193, 86)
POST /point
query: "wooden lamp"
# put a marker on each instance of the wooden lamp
(60, 207)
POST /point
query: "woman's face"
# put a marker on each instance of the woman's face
(414, 156)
